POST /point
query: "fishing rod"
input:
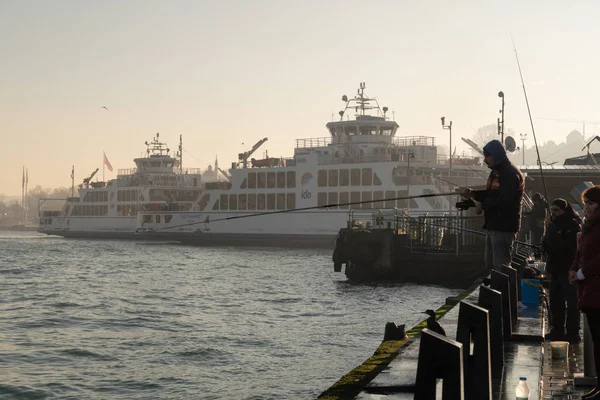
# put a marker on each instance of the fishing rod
(532, 127)
(326, 206)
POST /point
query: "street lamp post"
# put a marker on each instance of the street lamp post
(409, 155)
(449, 127)
(523, 137)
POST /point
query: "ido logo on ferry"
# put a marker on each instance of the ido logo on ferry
(305, 194)
(306, 178)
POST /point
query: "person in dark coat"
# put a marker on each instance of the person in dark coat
(560, 246)
(501, 202)
(537, 218)
(585, 273)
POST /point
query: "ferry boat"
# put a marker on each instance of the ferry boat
(304, 200)
(109, 209)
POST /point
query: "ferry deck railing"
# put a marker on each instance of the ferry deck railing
(433, 231)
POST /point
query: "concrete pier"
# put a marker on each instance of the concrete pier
(391, 373)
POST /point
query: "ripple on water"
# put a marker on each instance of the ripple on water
(116, 320)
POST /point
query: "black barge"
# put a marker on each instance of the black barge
(392, 246)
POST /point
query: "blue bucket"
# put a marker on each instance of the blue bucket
(530, 292)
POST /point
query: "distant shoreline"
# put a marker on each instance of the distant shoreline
(18, 228)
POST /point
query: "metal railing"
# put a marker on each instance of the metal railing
(434, 231)
(310, 143)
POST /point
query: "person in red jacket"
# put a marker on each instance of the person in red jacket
(585, 273)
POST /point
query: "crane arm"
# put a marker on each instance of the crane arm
(244, 156)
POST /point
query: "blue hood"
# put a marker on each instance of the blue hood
(496, 150)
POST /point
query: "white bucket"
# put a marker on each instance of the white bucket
(559, 350)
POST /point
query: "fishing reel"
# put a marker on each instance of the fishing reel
(465, 204)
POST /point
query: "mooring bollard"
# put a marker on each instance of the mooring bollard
(439, 358)
(394, 332)
(491, 300)
(474, 326)
(589, 376)
(500, 282)
(514, 296)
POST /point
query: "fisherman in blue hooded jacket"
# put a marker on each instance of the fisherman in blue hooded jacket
(501, 202)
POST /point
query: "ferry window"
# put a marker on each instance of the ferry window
(333, 199)
(355, 198)
(244, 183)
(168, 218)
(260, 201)
(290, 201)
(322, 199)
(270, 201)
(368, 130)
(322, 178)
(281, 201)
(367, 176)
(147, 219)
(157, 219)
(390, 194)
(261, 180)
(216, 205)
(367, 196)
(241, 202)
(271, 182)
(350, 130)
(291, 179)
(344, 198)
(224, 202)
(333, 177)
(252, 201)
(402, 203)
(355, 177)
(252, 180)
(233, 202)
(376, 180)
(281, 180)
(378, 195)
(120, 195)
(385, 131)
(155, 163)
(344, 177)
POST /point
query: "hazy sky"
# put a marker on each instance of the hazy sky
(223, 73)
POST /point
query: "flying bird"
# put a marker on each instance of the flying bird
(432, 324)
(105, 108)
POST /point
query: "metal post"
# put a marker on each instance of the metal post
(588, 378)
(523, 137)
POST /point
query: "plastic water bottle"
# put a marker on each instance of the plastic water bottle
(522, 390)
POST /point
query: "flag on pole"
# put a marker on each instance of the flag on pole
(107, 163)
(73, 172)
(23, 184)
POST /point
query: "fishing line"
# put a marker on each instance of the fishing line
(421, 196)
(537, 149)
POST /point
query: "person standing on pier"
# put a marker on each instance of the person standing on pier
(537, 219)
(501, 202)
(585, 273)
(560, 245)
